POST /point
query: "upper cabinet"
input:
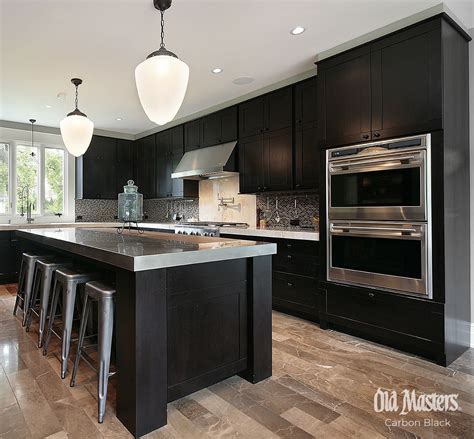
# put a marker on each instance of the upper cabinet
(306, 111)
(391, 87)
(220, 127)
(270, 112)
(170, 142)
(192, 135)
(145, 166)
(104, 169)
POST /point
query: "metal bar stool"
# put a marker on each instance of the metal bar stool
(105, 296)
(43, 280)
(67, 281)
(25, 283)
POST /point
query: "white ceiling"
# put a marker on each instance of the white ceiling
(44, 43)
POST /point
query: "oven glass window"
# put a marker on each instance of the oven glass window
(396, 257)
(397, 187)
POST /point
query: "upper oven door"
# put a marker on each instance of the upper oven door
(378, 184)
(387, 255)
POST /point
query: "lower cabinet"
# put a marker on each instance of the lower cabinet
(9, 257)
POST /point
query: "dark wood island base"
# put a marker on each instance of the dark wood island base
(182, 329)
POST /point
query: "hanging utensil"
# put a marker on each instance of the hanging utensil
(295, 221)
(277, 214)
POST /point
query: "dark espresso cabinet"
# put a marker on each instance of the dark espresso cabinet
(270, 112)
(220, 127)
(104, 169)
(145, 166)
(391, 87)
(306, 110)
(9, 257)
(192, 135)
(265, 162)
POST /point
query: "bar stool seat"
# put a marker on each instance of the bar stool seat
(43, 281)
(67, 281)
(25, 283)
(104, 294)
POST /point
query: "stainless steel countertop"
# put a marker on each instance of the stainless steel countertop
(39, 225)
(148, 251)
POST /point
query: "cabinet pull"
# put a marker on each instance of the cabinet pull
(376, 134)
(289, 257)
(371, 295)
(289, 284)
(288, 245)
(365, 136)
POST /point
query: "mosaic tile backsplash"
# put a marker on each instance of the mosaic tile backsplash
(307, 208)
(157, 210)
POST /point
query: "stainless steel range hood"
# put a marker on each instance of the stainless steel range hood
(206, 163)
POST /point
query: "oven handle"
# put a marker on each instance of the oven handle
(369, 162)
(381, 232)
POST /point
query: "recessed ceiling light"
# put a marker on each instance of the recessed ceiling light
(217, 70)
(48, 106)
(297, 30)
(242, 80)
(118, 118)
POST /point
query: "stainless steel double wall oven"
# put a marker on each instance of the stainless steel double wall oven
(379, 215)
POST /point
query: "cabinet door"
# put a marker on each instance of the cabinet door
(278, 160)
(124, 163)
(278, 109)
(177, 140)
(229, 124)
(344, 99)
(99, 176)
(163, 143)
(251, 164)
(192, 135)
(8, 257)
(251, 117)
(406, 82)
(163, 177)
(306, 103)
(306, 158)
(145, 166)
(211, 130)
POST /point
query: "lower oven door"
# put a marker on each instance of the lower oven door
(391, 256)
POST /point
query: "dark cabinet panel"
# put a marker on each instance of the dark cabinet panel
(124, 163)
(211, 130)
(406, 83)
(229, 124)
(251, 162)
(278, 109)
(96, 170)
(251, 117)
(306, 158)
(278, 165)
(9, 253)
(145, 166)
(345, 99)
(170, 142)
(192, 135)
(306, 109)
(295, 293)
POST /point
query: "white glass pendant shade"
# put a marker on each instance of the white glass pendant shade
(161, 83)
(76, 132)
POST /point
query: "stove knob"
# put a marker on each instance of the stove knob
(191, 233)
(205, 234)
(211, 234)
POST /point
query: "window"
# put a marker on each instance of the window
(34, 174)
(4, 178)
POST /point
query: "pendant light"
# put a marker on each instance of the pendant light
(76, 128)
(161, 79)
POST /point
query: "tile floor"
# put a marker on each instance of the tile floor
(323, 386)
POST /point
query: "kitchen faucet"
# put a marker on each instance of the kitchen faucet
(29, 205)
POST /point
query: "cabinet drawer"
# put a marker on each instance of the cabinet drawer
(296, 263)
(295, 292)
(405, 315)
(310, 248)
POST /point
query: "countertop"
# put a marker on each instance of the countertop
(148, 251)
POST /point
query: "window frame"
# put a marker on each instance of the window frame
(12, 177)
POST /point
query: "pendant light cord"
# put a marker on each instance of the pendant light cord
(162, 44)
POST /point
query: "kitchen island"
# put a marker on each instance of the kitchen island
(190, 311)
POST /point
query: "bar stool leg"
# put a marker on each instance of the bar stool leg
(69, 299)
(106, 327)
(82, 332)
(52, 313)
(34, 297)
(21, 283)
(27, 292)
(47, 281)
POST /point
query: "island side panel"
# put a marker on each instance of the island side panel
(259, 282)
(141, 350)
